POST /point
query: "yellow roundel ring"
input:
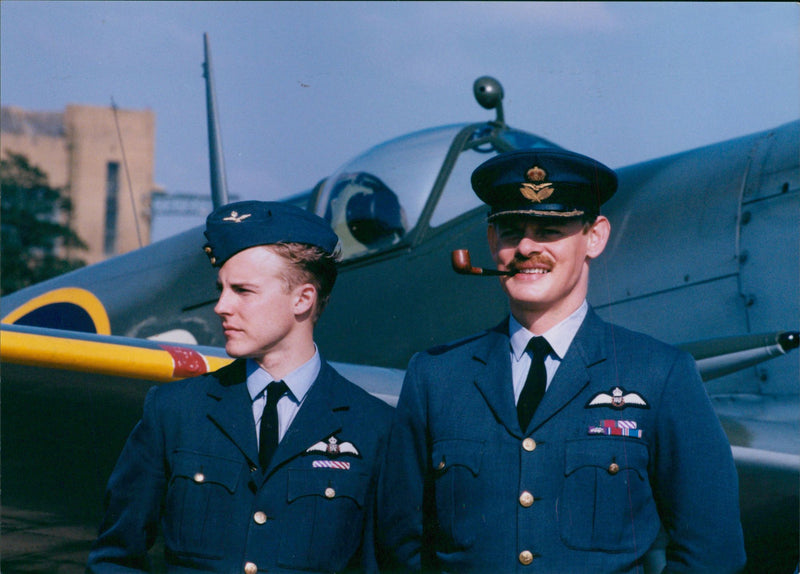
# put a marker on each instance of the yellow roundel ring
(81, 298)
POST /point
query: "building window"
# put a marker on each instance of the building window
(112, 192)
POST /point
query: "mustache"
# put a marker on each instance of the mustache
(536, 260)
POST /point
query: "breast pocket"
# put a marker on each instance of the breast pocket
(326, 512)
(456, 466)
(199, 503)
(606, 503)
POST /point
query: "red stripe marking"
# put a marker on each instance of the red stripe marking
(186, 362)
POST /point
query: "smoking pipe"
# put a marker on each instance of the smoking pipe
(462, 264)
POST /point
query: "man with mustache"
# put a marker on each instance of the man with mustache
(556, 442)
(269, 464)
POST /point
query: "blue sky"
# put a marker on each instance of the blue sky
(305, 86)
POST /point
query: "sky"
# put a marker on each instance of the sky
(303, 87)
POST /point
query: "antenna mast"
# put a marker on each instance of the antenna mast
(219, 185)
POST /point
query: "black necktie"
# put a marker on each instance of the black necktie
(535, 384)
(268, 432)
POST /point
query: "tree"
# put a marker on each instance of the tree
(36, 241)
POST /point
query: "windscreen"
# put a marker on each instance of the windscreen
(375, 200)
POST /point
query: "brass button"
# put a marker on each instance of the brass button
(207, 249)
(250, 568)
(199, 477)
(441, 465)
(525, 557)
(260, 517)
(329, 492)
(529, 444)
(613, 468)
(526, 499)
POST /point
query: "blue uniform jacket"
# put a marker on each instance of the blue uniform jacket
(192, 464)
(625, 441)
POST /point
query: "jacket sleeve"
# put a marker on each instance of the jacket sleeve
(696, 484)
(402, 497)
(133, 499)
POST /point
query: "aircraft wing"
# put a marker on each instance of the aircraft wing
(162, 362)
(154, 361)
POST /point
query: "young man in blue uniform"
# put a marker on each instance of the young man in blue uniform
(270, 463)
(578, 453)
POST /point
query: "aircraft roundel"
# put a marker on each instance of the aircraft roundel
(68, 308)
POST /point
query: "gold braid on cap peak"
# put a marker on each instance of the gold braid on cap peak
(564, 214)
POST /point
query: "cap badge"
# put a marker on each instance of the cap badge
(536, 192)
(236, 218)
(535, 174)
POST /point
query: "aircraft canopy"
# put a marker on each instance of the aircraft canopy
(386, 195)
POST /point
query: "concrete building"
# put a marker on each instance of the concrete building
(84, 152)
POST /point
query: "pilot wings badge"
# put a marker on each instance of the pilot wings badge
(333, 448)
(617, 398)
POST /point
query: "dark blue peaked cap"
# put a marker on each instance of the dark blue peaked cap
(238, 226)
(545, 182)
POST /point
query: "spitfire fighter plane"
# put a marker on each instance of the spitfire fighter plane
(704, 254)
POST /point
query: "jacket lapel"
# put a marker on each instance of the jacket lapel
(231, 408)
(587, 348)
(316, 420)
(493, 377)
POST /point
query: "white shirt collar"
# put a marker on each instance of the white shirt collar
(299, 381)
(559, 336)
